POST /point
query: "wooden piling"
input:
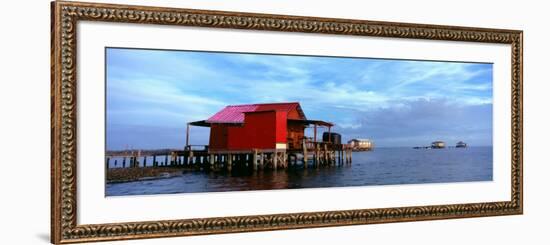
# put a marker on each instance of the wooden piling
(262, 156)
(255, 160)
(229, 162)
(211, 161)
(346, 156)
(144, 161)
(326, 159)
(275, 160)
(124, 162)
(317, 158)
(304, 146)
(107, 163)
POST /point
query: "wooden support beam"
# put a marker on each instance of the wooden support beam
(187, 136)
(325, 155)
(144, 161)
(155, 163)
(345, 152)
(229, 162)
(304, 146)
(255, 160)
(124, 162)
(211, 161)
(262, 156)
(317, 157)
(275, 160)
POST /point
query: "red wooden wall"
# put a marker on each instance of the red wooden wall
(261, 130)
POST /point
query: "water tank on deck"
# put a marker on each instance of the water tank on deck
(335, 138)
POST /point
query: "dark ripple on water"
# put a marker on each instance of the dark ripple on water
(383, 166)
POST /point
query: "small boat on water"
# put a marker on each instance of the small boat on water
(438, 144)
(461, 144)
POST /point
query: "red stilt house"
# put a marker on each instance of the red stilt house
(273, 126)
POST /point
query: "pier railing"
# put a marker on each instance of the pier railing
(310, 145)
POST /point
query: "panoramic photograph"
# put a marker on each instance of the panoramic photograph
(180, 121)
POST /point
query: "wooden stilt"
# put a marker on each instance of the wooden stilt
(346, 156)
(211, 161)
(255, 160)
(275, 160)
(187, 137)
(285, 160)
(229, 162)
(262, 156)
(326, 155)
(144, 161)
(124, 162)
(107, 163)
(304, 146)
(317, 157)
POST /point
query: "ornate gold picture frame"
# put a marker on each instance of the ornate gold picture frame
(64, 206)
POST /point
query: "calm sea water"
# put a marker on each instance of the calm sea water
(383, 166)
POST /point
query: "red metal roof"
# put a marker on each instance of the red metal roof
(235, 113)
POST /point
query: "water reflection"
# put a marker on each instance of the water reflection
(384, 166)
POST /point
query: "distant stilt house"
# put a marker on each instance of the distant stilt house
(438, 144)
(361, 144)
(461, 144)
(275, 129)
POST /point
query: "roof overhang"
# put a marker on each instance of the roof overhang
(207, 123)
(312, 122)
(201, 123)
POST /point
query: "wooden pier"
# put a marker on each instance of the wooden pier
(310, 155)
(253, 137)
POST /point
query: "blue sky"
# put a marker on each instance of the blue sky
(152, 94)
